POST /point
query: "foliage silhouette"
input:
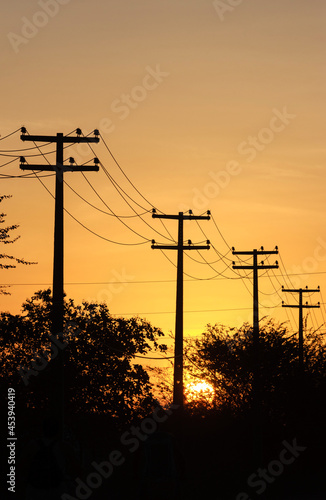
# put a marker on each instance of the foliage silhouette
(101, 375)
(224, 357)
(5, 238)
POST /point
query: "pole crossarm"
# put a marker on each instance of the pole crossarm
(185, 217)
(255, 266)
(64, 168)
(258, 252)
(184, 247)
(303, 306)
(59, 138)
(301, 291)
(274, 266)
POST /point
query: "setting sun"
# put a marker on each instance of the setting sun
(199, 390)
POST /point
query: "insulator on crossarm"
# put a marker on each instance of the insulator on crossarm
(96, 132)
(208, 242)
(23, 130)
(78, 131)
(189, 242)
(71, 160)
(96, 161)
(208, 212)
(22, 159)
(153, 242)
(153, 210)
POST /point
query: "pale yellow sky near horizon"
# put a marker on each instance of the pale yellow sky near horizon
(207, 106)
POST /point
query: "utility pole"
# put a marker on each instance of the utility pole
(57, 290)
(301, 306)
(256, 381)
(178, 394)
(256, 267)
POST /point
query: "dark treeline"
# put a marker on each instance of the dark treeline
(274, 438)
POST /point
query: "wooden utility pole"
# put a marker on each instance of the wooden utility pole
(301, 306)
(255, 267)
(256, 375)
(178, 393)
(58, 268)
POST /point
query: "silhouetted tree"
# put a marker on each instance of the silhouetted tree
(5, 238)
(101, 370)
(224, 357)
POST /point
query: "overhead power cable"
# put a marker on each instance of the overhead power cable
(120, 190)
(8, 162)
(84, 226)
(116, 349)
(125, 175)
(226, 243)
(19, 151)
(99, 209)
(8, 135)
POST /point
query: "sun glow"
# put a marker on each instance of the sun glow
(199, 390)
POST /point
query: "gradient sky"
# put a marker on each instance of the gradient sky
(232, 121)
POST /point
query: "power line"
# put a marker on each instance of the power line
(223, 257)
(122, 171)
(120, 190)
(8, 162)
(25, 176)
(114, 183)
(11, 133)
(280, 296)
(87, 228)
(83, 225)
(226, 243)
(227, 309)
(99, 209)
(122, 222)
(24, 149)
(136, 355)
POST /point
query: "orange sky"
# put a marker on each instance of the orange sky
(205, 109)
